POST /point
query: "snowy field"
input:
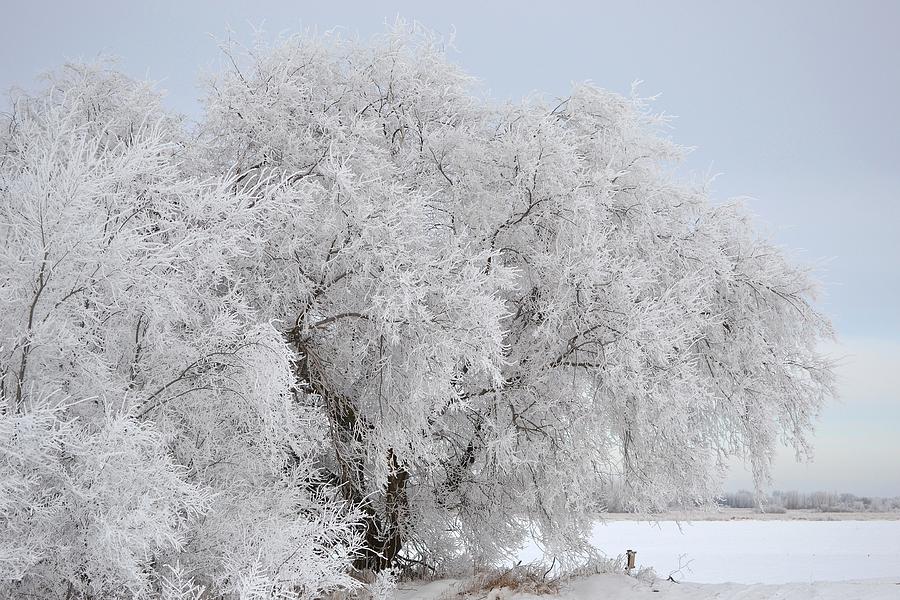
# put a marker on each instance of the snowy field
(791, 558)
(622, 587)
(750, 551)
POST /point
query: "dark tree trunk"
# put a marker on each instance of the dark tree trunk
(383, 531)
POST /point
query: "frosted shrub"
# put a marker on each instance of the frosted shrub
(88, 504)
(181, 440)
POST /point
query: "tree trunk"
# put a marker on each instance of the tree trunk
(383, 533)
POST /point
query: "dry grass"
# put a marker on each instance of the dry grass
(530, 578)
(533, 578)
(536, 579)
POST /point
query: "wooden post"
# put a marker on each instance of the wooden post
(630, 565)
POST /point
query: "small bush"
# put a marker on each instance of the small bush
(836, 509)
(772, 510)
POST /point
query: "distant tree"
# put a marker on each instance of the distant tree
(740, 499)
(819, 500)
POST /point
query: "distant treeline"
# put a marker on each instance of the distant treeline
(823, 501)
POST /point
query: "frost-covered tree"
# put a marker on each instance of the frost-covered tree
(501, 310)
(147, 415)
(365, 316)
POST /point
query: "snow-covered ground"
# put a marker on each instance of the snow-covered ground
(731, 560)
(749, 551)
(622, 587)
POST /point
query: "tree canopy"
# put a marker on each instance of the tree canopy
(361, 315)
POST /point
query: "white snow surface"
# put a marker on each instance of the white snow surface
(623, 587)
(727, 560)
(754, 552)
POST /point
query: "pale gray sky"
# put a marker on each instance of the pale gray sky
(794, 103)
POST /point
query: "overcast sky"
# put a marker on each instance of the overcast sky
(795, 105)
